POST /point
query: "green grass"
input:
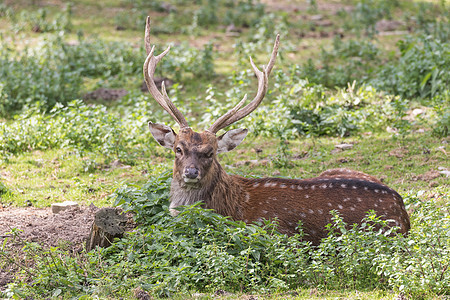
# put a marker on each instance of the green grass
(405, 162)
(45, 177)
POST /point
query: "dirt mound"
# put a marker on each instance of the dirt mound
(44, 227)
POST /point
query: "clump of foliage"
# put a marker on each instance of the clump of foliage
(296, 107)
(85, 128)
(366, 13)
(202, 14)
(346, 62)
(442, 108)
(25, 75)
(200, 250)
(38, 20)
(422, 70)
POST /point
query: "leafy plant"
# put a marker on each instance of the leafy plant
(421, 71)
(200, 250)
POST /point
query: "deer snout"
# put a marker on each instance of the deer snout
(191, 174)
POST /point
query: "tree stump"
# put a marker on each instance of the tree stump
(109, 223)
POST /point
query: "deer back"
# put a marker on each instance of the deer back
(311, 200)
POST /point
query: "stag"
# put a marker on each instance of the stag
(198, 175)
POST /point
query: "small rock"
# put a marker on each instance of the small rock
(388, 25)
(344, 146)
(316, 18)
(391, 129)
(232, 28)
(58, 207)
(445, 172)
(417, 111)
(324, 23)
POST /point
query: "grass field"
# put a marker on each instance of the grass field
(373, 74)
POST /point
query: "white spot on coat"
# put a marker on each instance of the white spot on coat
(340, 206)
(343, 186)
(310, 211)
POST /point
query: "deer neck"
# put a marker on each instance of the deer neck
(218, 191)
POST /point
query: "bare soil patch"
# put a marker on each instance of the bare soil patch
(70, 227)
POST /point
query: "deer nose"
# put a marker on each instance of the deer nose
(191, 173)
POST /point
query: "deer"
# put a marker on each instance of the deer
(199, 177)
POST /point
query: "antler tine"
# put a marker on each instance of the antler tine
(147, 35)
(149, 70)
(235, 114)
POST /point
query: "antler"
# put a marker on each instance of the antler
(236, 113)
(149, 70)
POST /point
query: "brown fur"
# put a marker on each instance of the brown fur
(349, 192)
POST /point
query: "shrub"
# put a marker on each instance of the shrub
(25, 77)
(25, 80)
(422, 70)
(85, 128)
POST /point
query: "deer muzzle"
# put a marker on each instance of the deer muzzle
(191, 175)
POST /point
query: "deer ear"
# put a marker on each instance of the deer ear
(163, 134)
(231, 139)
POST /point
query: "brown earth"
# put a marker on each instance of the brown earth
(69, 228)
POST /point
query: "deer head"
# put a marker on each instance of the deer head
(195, 153)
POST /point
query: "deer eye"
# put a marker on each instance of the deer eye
(178, 150)
(209, 154)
